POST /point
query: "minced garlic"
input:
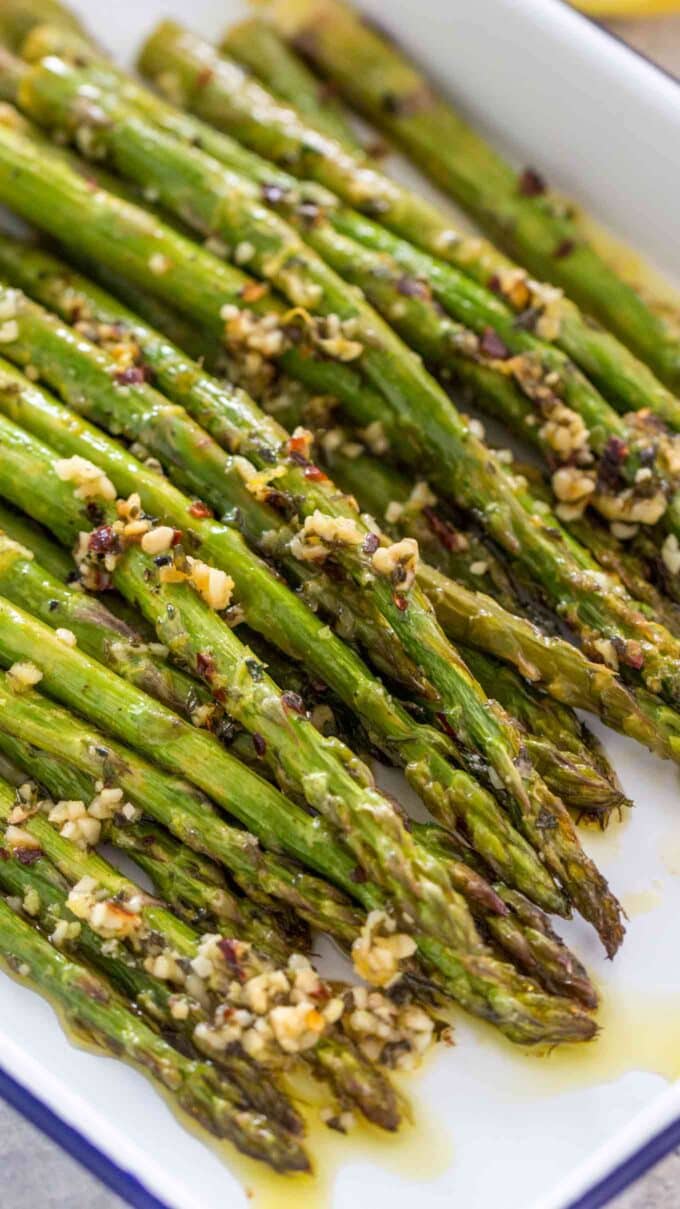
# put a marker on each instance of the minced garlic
(66, 636)
(398, 562)
(23, 676)
(215, 587)
(90, 481)
(376, 953)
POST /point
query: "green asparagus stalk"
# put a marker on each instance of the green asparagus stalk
(410, 309)
(595, 687)
(475, 484)
(525, 931)
(334, 1056)
(192, 885)
(453, 290)
(65, 780)
(460, 296)
(514, 208)
(235, 670)
(570, 775)
(56, 561)
(223, 204)
(217, 207)
(149, 994)
(633, 560)
(306, 635)
(199, 639)
(188, 815)
(259, 49)
(456, 716)
(88, 1002)
(19, 17)
(171, 866)
(100, 632)
(485, 986)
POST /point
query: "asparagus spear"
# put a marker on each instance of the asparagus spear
(224, 204)
(334, 1056)
(460, 296)
(525, 931)
(268, 879)
(171, 866)
(481, 984)
(100, 632)
(202, 638)
(632, 385)
(56, 561)
(125, 968)
(301, 632)
(571, 775)
(535, 360)
(462, 708)
(577, 681)
(632, 559)
(259, 49)
(242, 681)
(90, 1004)
(198, 638)
(216, 206)
(19, 17)
(513, 207)
(442, 431)
(192, 885)
(518, 925)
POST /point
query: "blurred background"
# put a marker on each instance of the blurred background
(651, 26)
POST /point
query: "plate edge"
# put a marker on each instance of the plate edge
(34, 1110)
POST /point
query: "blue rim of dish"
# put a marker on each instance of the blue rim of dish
(630, 1169)
(130, 1189)
(126, 1185)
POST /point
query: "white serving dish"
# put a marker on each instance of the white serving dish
(518, 1132)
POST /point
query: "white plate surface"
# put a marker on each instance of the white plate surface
(512, 1131)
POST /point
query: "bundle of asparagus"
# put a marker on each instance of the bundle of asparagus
(224, 583)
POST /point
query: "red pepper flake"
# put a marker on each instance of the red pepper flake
(634, 659)
(609, 465)
(252, 291)
(134, 375)
(293, 702)
(299, 443)
(204, 77)
(28, 856)
(492, 345)
(199, 509)
(446, 534)
(205, 665)
(230, 952)
(102, 540)
(446, 726)
(259, 743)
(177, 536)
(530, 184)
(494, 284)
(315, 474)
(400, 601)
(371, 543)
(565, 248)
